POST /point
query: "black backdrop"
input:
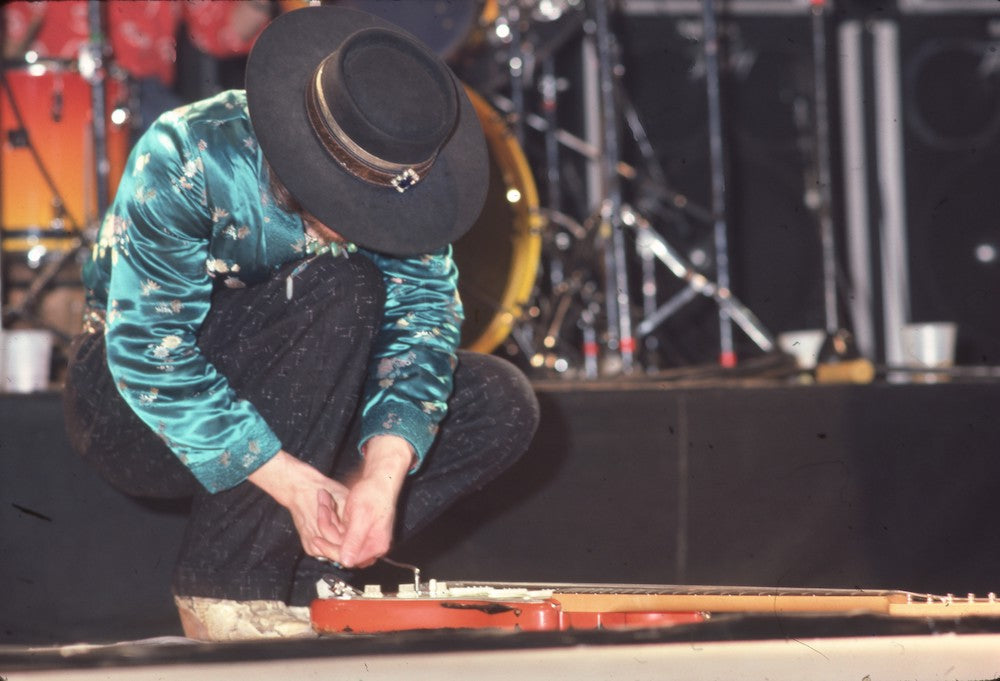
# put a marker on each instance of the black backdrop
(950, 82)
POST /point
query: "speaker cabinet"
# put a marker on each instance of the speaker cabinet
(950, 89)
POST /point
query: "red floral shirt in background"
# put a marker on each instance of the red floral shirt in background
(141, 33)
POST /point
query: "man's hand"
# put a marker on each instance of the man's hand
(351, 526)
(370, 510)
(311, 498)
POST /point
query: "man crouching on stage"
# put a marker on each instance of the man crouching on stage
(273, 320)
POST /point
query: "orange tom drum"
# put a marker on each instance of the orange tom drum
(46, 123)
(46, 131)
(498, 258)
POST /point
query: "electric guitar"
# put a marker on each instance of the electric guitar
(561, 607)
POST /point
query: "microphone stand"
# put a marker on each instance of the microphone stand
(652, 245)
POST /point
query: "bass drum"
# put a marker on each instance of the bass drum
(498, 257)
(446, 26)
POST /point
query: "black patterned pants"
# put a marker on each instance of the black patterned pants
(302, 363)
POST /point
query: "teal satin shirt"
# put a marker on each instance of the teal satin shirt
(194, 210)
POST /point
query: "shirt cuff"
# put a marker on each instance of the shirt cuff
(403, 420)
(230, 468)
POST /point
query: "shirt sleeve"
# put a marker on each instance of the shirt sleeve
(413, 359)
(157, 232)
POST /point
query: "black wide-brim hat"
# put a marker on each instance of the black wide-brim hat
(400, 168)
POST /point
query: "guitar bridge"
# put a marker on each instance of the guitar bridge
(332, 587)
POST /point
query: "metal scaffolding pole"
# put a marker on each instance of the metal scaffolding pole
(727, 352)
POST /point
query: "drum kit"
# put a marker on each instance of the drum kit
(545, 278)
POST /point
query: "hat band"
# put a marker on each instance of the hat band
(354, 159)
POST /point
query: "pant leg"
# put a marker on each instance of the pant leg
(492, 418)
(302, 364)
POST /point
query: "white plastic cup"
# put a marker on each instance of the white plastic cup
(929, 345)
(25, 360)
(804, 345)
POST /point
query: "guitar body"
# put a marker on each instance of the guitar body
(368, 616)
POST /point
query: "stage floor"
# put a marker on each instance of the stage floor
(767, 649)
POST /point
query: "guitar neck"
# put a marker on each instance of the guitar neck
(721, 599)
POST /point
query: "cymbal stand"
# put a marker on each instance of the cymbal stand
(647, 261)
(650, 244)
(576, 286)
(556, 241)
(654, 188)
(507, 27)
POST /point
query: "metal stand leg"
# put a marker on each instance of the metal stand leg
(92, 60)
(857, 218)
(617, 298)
(822, 122)
(697, 283)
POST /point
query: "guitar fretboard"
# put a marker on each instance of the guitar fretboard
(632, 597)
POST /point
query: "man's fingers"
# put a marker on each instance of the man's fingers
(330, 524)
(366, 539)
(358, 526)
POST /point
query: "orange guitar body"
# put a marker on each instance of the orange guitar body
(366, 616)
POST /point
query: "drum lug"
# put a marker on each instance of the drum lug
(17, 138)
